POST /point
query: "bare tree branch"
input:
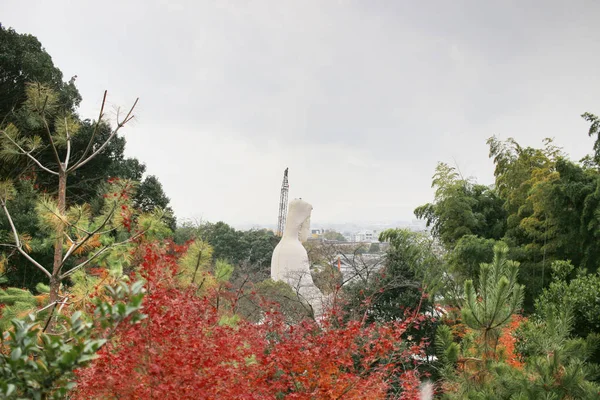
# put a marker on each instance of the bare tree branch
(18, 243)
(54, 150)
(91, 142)
(49, 305)
(128, 118)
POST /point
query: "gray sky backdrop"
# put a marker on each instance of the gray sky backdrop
(360, 99)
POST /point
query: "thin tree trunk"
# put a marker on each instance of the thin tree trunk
(58, 244)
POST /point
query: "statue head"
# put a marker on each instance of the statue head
(298, 219)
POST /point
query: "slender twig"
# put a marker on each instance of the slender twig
(53, 305)
(91, 142)
(69, 238)
(128, 118)
(239, 292)
(47, 324)
(62, 304)
(49, 305)
(54, 150)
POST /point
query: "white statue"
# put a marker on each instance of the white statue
(290, 260)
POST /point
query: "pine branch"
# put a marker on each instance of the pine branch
(74, 226)
(74, 247)
(28, 154)
(100, 252)
(18, 242)
(54, 150)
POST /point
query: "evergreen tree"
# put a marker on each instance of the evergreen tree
(498, 296)
(41, 107)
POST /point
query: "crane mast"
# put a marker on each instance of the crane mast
(283, 203)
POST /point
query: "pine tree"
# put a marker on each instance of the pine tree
(74, 230)
(498, 297)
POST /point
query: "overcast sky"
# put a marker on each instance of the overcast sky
(360, 99)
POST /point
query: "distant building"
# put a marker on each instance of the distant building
(317, 233)
(368, 236)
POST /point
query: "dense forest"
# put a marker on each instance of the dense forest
(105, 294)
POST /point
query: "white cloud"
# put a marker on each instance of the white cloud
(359, 99)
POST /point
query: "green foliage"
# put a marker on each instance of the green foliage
(224, 239)
(223, 271)
(150, 196)
(570, 209)
(12, 143)
(185, 232)
(557, 366)
(447, 350)
(468, 254)
(88, 183)
(333, 235)
(579, 293)
(17, 303)
(374, 248)
(489, 307)
(74, 228)
(461, 208)
(248, 251)
(22, 60)
(155, 223)
(411, 265)
(38, 117)
(594, 131)
(42, 288)
(524, 178)
(7, 191)
(416, 253)
(195, 263)
(19, 271)
(549, 213)
(108, 246)
(327, 278)
(82, 286)
(36, 365)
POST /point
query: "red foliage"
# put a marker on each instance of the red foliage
(507, 340)
(182, 351)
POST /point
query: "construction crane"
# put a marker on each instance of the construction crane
(283, 204)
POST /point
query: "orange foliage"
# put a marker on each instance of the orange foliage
(90, 244)
(507, 340)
